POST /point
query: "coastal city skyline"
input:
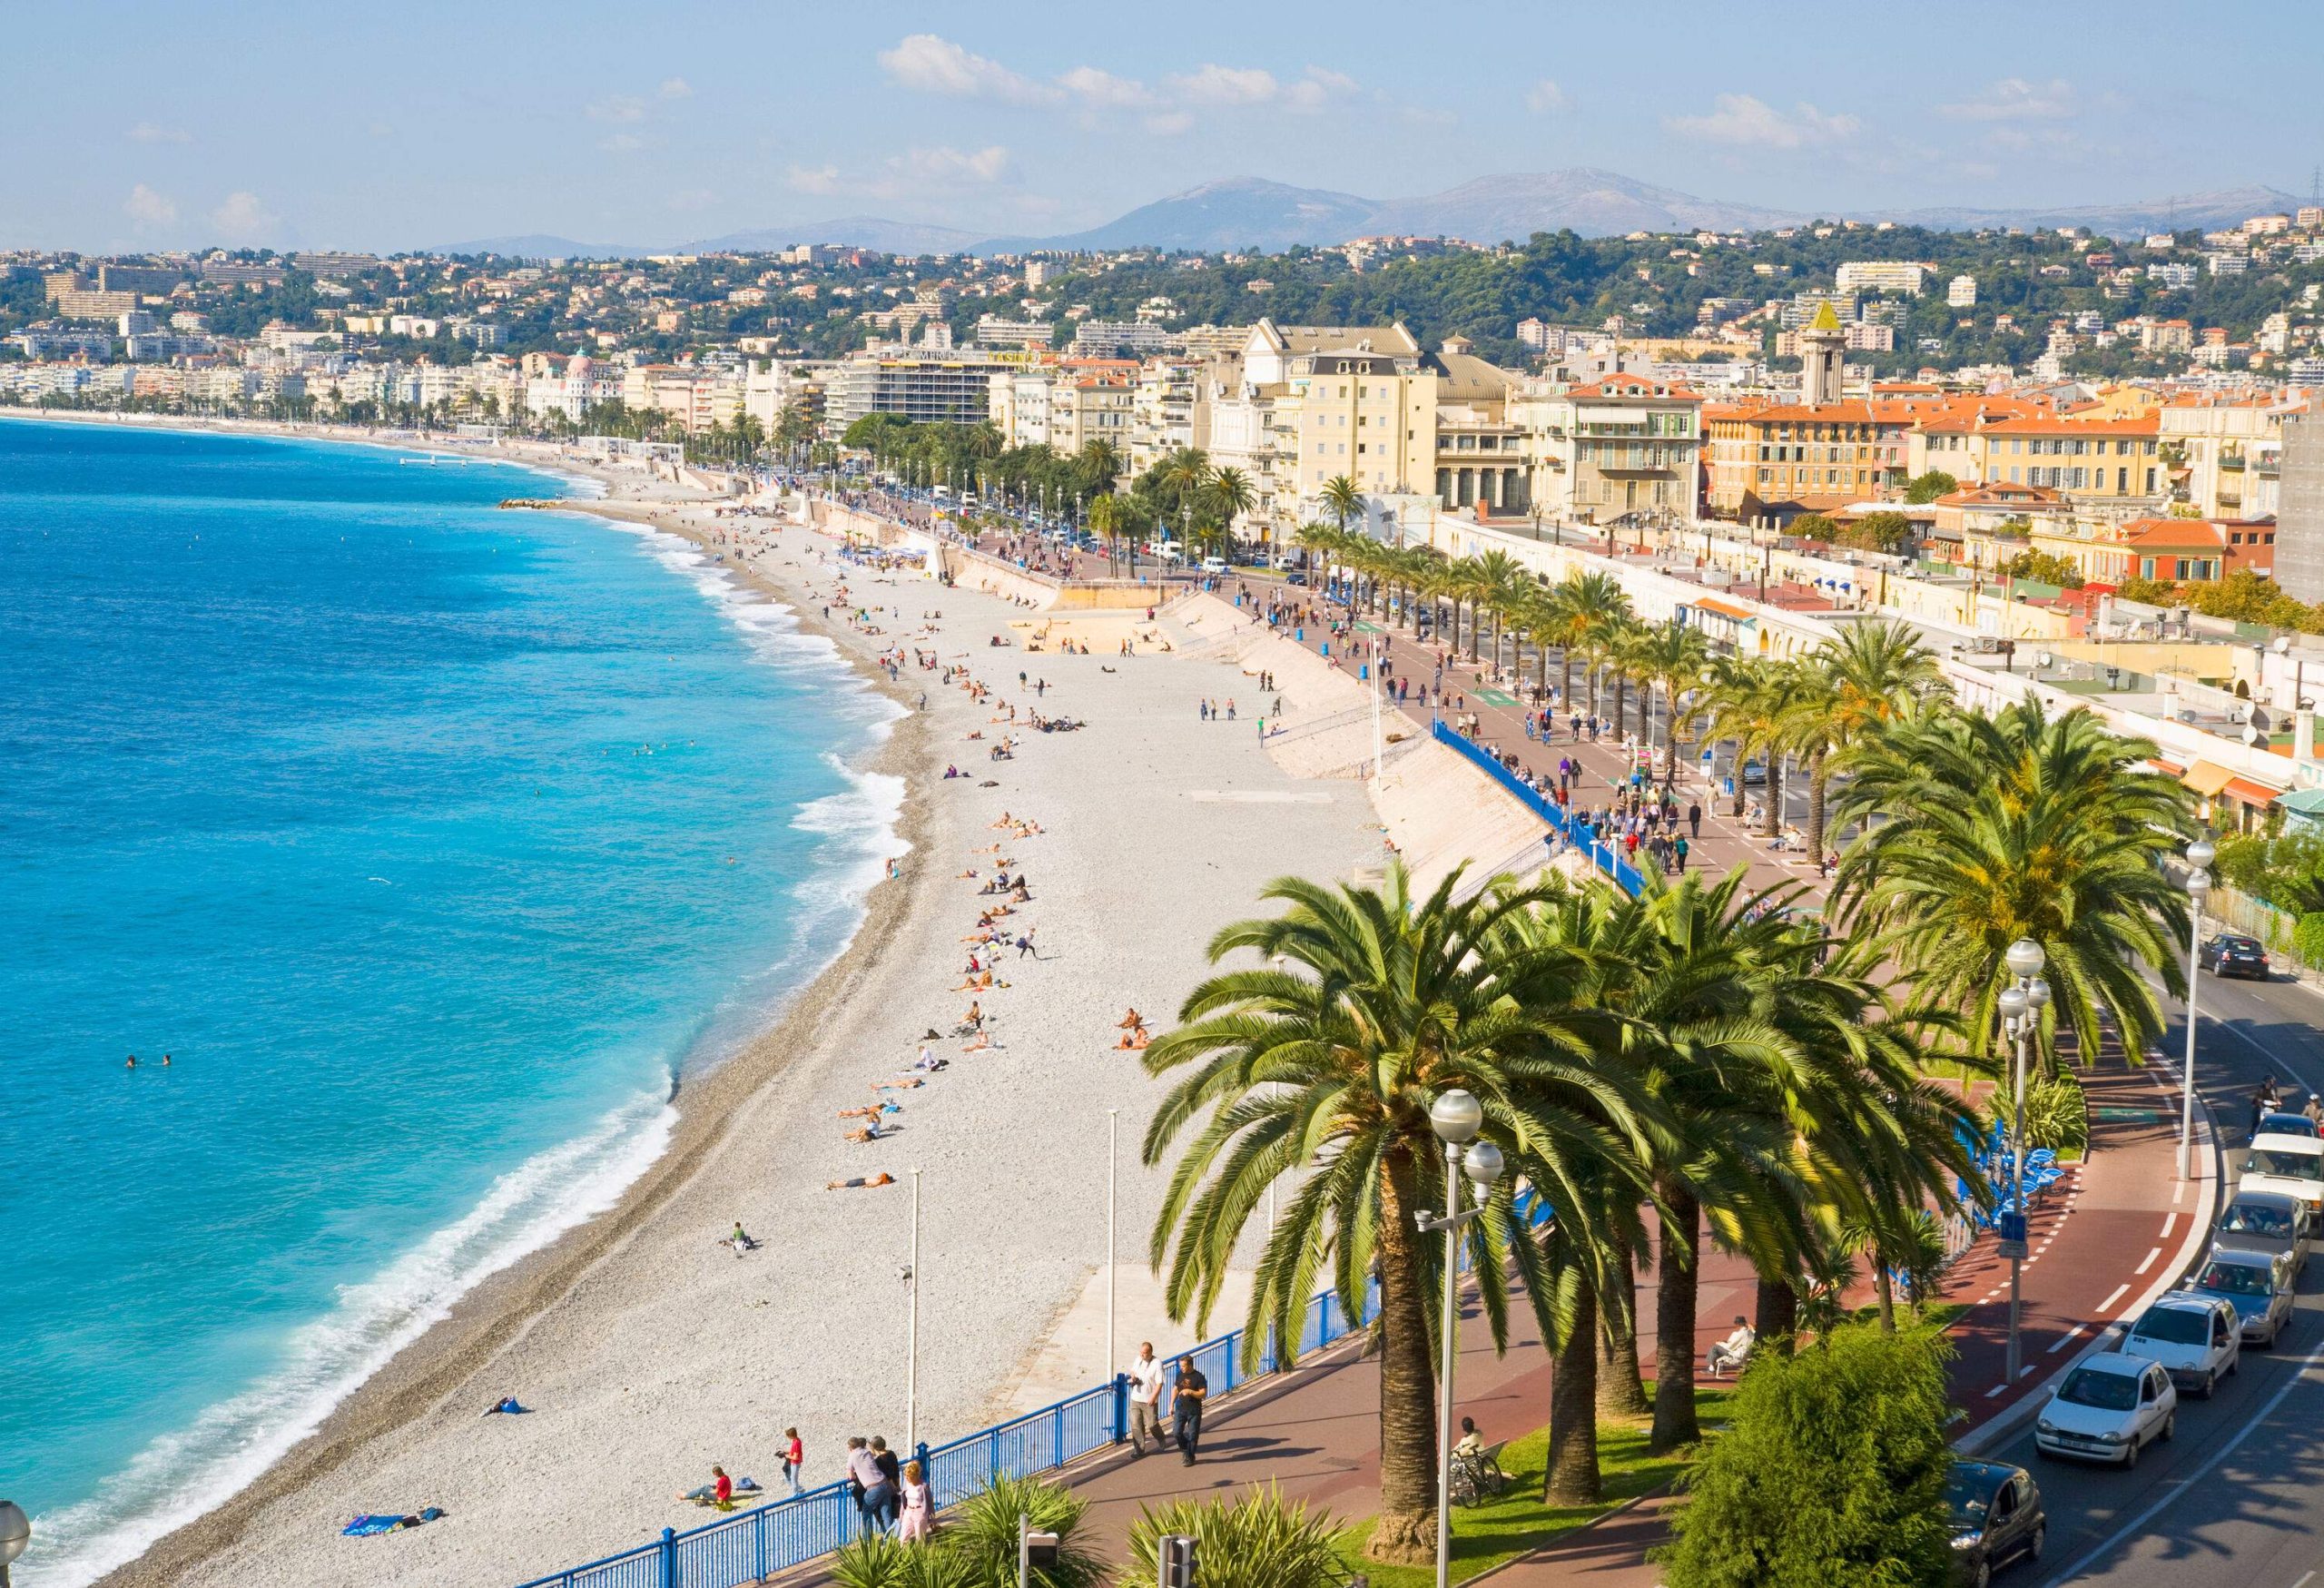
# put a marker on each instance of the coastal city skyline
(721, 118)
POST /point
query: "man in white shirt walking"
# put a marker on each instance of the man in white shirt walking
(1144, 1400)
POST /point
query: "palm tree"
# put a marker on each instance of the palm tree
(1467, 582)
(1586, 604)
(1342, 499)
(1329, 1070)
(1670, 657)
(1104, 521)
(1320, 541)
(1869, 675)
(1752, 702)
(1230, 491)
(2020, 824)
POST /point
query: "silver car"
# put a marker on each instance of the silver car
(2257, 1285)
(2194, 1338)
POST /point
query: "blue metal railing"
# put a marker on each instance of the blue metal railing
(750, 1545)
(1604, 856)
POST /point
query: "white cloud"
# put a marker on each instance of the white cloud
(675, 88)
(1545, 97)
(1097, 87)
(152, 133)
(148, 208)
(622, 143)
(931, 65)
(1170, 124)
(243, 219)
(618, 107)
(1214, 85)
(818, 179)
(946, 165)
(2014, 99)
(1745, 122)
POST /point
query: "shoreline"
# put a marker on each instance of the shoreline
(499, 1308)
(552, 1310)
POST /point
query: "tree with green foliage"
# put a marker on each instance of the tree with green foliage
(1813, 527)
(1831, 1473)
(2044, 568)
(1924, 489)
(1883, 531)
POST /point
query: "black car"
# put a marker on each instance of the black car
(1997, 1519)
(1298, 580)
(2233, 955)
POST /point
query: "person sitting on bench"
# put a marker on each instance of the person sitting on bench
(1727, 1356)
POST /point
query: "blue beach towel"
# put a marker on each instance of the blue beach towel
(369, 1526)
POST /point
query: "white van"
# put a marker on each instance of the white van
(2293, 1165)
(1214, 565)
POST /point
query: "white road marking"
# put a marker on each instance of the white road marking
(2111, 1300)
(2143, 1267)
(2305, 1578)
(2026, 1371)
(2168, 1224)
(2068, 1339)
(2178, 1485)
(1997, 1389)
(2177, 1191)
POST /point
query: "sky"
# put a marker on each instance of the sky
(156, 123)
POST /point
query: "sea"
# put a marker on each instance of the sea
(418, 850)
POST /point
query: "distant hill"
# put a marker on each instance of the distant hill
(539, 245)
(1594, 203)
(882, 236)
(1242, 211)
(2209, 210)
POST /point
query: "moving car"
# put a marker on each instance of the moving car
(2109, 1409)
(2293, 1165)
(2230, 954)
(2257, 1285)
(1214, 565)
(1997, 1519)
(1297, 581)
(2265, 1221)
(2287, 1125)
(2198, 1339)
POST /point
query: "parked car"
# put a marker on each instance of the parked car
(2287, 1125)
(2109, 1409)
(2265, 1221)
(1214, 565)
(2257, 1285)
(2230, 954)
(1997, 1519)
(1296, 581)
(2198, 1339)
(2293, 1165)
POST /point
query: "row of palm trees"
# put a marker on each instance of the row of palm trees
(1742, 1073)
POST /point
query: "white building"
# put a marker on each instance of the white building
(1961, 292)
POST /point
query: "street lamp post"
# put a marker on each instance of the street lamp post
(1455, 1117)
(2020, 1005)
(16, 1532)
(2200, 854)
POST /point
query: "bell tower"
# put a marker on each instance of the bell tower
(1821, 347)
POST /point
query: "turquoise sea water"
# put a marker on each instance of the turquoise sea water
(431, 842)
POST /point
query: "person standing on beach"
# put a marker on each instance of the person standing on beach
(1144, 1400)
(795, 1457)
(1187, 1391)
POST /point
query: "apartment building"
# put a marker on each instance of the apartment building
(951, 390)
(1882, 276)
(1775, 461)
(2224, 449)
(1605, 448)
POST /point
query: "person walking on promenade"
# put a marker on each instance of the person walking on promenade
(917, 1508)
(1694, 820)
(872, 1495)
(1144, 1400)
(1679, 851)
(1187, 1391)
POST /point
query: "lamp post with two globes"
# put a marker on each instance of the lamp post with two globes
(1456, 1117)
(2200, 854)
(2020, 1004)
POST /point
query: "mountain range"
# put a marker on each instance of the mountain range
(1249, 211)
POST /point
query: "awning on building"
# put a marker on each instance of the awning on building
(2207, 778)
(2168, 768)
(1724, 609)
(2304, 802)
(2256, 795)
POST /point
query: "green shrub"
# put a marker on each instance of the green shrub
(2057, 1113)
(975, 1545)
(1831, 1473)
(2307, 939)
(1262, 1541)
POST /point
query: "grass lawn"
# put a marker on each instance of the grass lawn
(1503, 1529)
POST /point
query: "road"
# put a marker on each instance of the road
(2234, 1501)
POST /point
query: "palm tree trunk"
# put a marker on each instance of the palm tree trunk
(1674, 1322)
(1885, 1290)
(1774, 793)
(1407, 1531)
(1565, 675)
(1476, 621)
(1820, 777)
(1621, 688)
(1620, 1392)
(1573, 1478)
(1775, 1314)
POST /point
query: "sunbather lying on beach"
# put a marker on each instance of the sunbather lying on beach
(506, 1407)
(740, 1241)
(718, 1492)
(861, 1182)
(871, 1133)
(1135, 1039)
(1131, 1020)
